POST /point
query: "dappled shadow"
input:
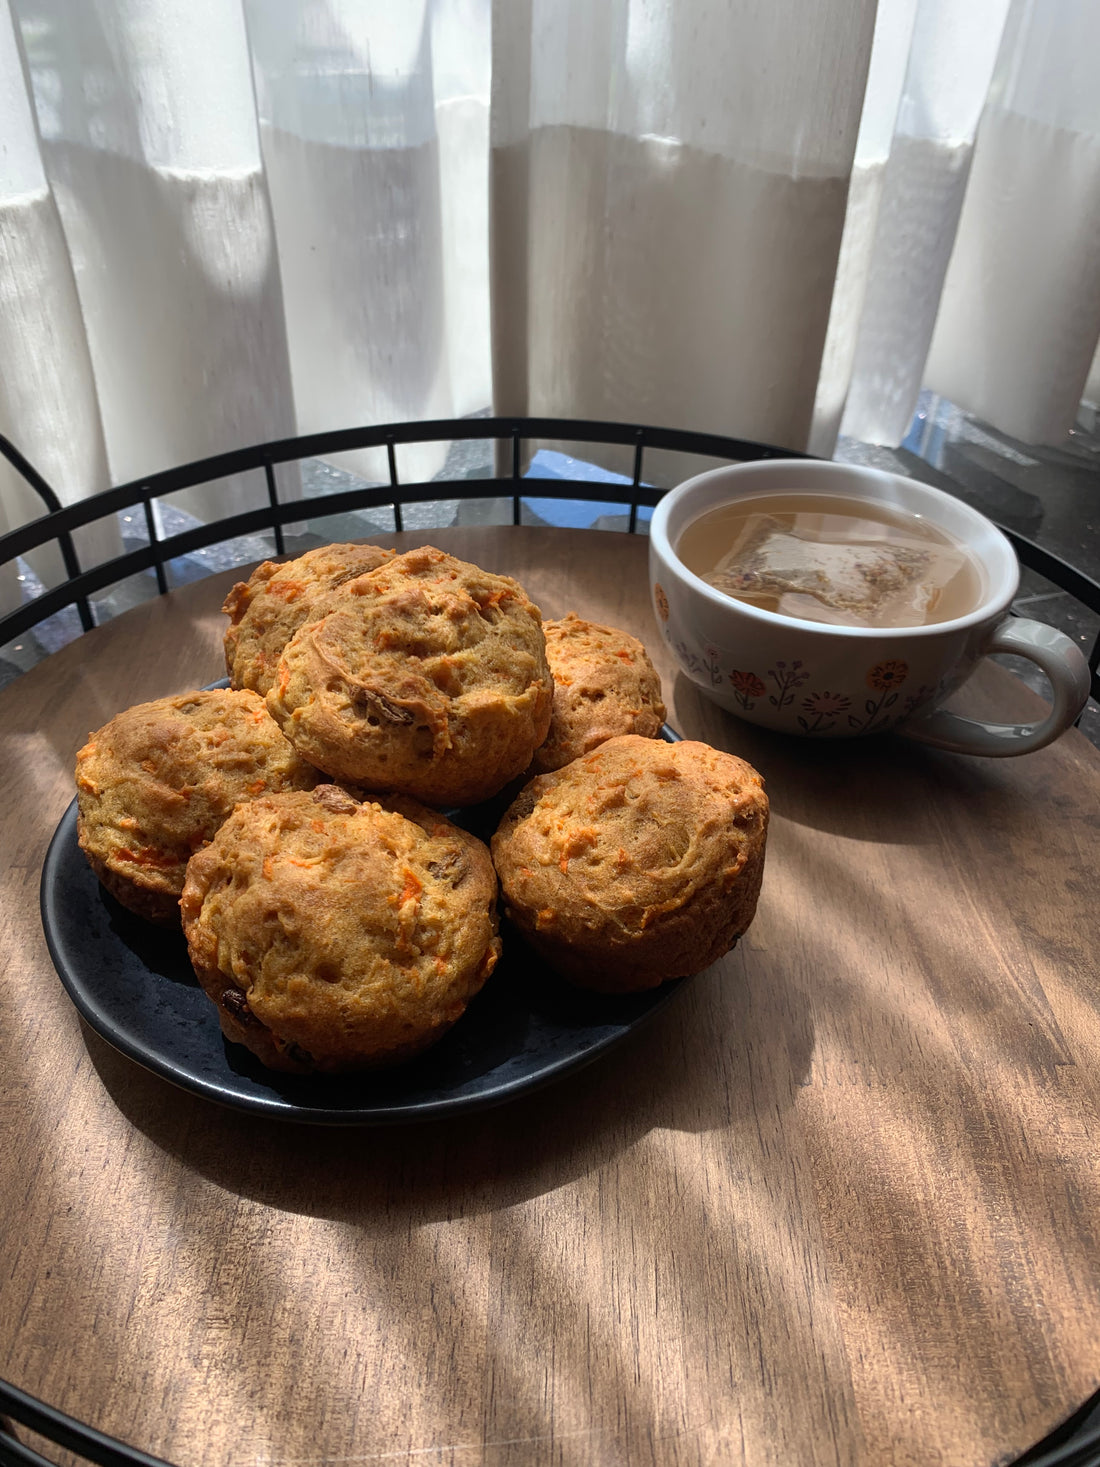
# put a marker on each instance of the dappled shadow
(673, 1073)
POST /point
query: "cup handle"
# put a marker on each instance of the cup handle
(1070, 681)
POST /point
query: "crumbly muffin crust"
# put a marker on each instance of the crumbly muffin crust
(156, 782)
(335, 936)
(427, 676)
(604, 685)
(637, 863)
(266, 610)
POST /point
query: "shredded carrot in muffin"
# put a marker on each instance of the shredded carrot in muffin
(286, 590)
(413, 888)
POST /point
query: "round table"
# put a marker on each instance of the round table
(838, 1202)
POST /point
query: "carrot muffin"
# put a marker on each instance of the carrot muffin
(639, 862)
(604, 685)
(266, 610)
(154, 784)
(335, 936)
(427, 676)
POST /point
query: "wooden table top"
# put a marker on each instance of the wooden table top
(838, 1203)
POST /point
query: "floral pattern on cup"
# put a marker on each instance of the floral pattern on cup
(713, 659)
(821, 708)
(690, 659)
(885, 678)
(661, 600)
(746, 686)
(787, 676)
(824, 708)
(916, 699)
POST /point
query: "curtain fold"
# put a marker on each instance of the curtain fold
(889, 58)
(229, 220)
(373, 118)
(48, 401)
(149, 141)
(950, 63)
(1019, 315)
(668, 198)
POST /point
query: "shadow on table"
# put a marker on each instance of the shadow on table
(885, 789)
(706, 1061)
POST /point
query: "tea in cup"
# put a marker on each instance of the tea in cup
(833, 601)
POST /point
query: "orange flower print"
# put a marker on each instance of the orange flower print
(661, 600)
(747, 684)
(885, 678)
(747, 687)
(886, 675)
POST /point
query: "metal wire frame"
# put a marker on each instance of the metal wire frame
(63, 1431)
(59, 522)
(1074, 1444)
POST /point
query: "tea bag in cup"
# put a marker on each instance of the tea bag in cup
(881, 578)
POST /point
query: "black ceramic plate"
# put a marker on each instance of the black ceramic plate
(134, 985)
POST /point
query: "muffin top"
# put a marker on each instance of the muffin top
(156, 782)
(638, 862)
(266, 610)
(334, 935)
(604, 685)
(427, 676)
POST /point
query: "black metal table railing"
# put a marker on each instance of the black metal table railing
(60, 522)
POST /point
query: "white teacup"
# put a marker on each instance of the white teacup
(825, 681)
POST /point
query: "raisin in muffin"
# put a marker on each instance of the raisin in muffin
(604, 685)
(335, 936)
(266, 610)
(426, 677)
(637, 863)
(156, 782)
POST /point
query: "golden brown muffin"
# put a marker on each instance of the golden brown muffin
(155, 783)
(604, 685)
(427, 676)
(266, 610)
(640, 862)
(335, 936)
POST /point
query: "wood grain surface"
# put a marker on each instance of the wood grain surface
(839, 1203)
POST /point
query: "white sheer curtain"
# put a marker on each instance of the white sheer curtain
(374, 126)
(949, 64)
(48, 402)
(149, 143)
(228, 220)
(668, 194)
(1020, 311)
(982, 275)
